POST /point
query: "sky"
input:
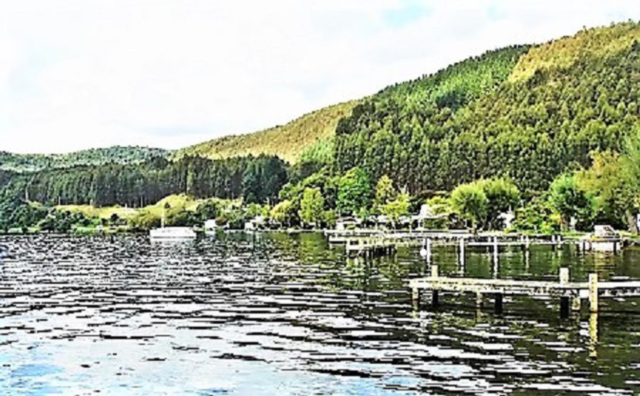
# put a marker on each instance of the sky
(76, 74)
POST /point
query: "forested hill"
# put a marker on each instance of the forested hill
(524, 113)
(99, 156)
(287, 141)
(527, 114)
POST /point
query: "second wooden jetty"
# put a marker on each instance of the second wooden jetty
(564, 289)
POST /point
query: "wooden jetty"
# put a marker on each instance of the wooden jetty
(369, 247)
(564, 289)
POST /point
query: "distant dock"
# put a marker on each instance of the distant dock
(373, 242)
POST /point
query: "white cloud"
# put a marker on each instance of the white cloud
(80, 73)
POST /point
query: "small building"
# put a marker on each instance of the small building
(254, 224)
(507, 218)
(210, 225)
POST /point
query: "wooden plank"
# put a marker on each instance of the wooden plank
(520, 287)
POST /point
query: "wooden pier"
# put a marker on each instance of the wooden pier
(369, 247)
(568, 292)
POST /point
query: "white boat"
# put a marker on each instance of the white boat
(210, 227)
(172, 233)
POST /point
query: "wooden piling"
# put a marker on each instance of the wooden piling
(434, 299)
(593, 335)
(434, 293)
(564, 276)
(564, 301)
(479, 300)
(434, 271)
(593, 292)
(415, 297)
(498, 303)
(564, 307)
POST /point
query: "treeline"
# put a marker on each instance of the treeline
(99, 156)
(461, 124)
(257, 179)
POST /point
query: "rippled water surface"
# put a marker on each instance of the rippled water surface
(274, 314)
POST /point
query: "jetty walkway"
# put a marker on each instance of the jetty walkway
(569, 293)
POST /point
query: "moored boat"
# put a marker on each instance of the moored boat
(172, 233)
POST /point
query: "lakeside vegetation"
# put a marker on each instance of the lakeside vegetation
(550, 133)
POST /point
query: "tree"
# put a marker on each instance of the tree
(312, 206)
(502, 195)
(569, 201)
(282, 213)
(384, 193)
(396, 208)
(252, 184)
(353, 191)
(470, 202)
(614, 192)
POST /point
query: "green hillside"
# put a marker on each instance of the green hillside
(99, 156)
(287, 141)
(529, 121)
(527, 114)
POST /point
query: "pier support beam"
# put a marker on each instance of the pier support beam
(564, 301)
(564, 307)
(593, 293)
(415, 298)
(498, 304)
(462, 251)
(593, 335)
(479, 300)
(435, 299)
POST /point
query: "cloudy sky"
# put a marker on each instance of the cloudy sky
(76, 74)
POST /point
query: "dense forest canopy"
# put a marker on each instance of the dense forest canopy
(148, 182)
(473, 120)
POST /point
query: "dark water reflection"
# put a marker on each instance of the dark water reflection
(289, 315)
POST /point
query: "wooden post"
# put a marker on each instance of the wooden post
(593, 292)
(434, 298)
(527, 243)
(564, 307)
(434, 293)
(593, 335)
(498, 304)
(564, 276)
(428, 247)
(564, 301)
(415, 297)
(462, 251)
(479, 300)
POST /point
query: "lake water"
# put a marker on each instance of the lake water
(274, 314)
